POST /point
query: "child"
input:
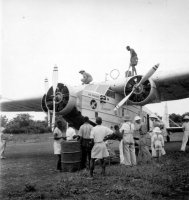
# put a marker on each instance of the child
(144, 154)
(158, 143)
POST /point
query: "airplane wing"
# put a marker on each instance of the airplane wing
(162, 86)
(172, 85)
(25, 105)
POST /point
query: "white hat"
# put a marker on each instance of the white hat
(186, 117)
(153, 116)
(137, 118)
(156, 130)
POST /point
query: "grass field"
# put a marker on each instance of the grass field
(29, 173)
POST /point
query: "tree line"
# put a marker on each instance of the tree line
(23, 123)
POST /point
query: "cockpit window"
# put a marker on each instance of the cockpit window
(110, 93)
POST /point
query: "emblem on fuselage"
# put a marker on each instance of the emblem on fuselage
(93, 104)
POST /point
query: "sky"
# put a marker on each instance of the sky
(91, 35)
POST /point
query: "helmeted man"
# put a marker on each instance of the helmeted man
(127, 145)
(185, 127)
(87, 78)
(154, 122)
(138, 128)
(99, 150)
(133, 60)
(86, 143)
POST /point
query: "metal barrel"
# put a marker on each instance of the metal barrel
(71, 156)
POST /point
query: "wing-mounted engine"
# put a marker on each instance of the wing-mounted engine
(65, 100)
(145, 93)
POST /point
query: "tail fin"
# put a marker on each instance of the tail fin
(165, 117)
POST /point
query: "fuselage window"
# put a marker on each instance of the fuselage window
(110, 93)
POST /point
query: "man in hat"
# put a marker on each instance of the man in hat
(87, 78)
(99, 150)
(185, 127)
(133, 60)
(139, 128)
(127, 145)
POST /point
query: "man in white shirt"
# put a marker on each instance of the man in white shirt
(99, 150)
(127, 147)
(70, 132)
(185, 127)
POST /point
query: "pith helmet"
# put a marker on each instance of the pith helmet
(186, 117)
(156, 130)
(137, 118)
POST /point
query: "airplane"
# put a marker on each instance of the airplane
(110, 99)
(166, 120)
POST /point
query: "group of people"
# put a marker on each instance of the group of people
(93, 142)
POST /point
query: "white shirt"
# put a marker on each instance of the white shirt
(57, 143)
(186, 126)
(127, 127)
(99, 132)
(157, 139)
(70, 133)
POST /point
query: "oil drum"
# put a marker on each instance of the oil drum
(71, 156)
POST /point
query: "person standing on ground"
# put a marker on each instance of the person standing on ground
(70, 132)
(144, 154)
(87, 78)
(158, 143)
(185, 127)
(3, 141)
(59, 134)
(127, 145)
(133, 60)
(86, 143)
(99, 150)
(154, 123)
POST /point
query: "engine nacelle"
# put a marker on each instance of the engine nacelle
(144, 94)
(65, 100)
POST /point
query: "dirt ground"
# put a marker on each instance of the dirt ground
(29, 172)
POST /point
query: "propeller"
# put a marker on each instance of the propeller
(46, 90)
(136, 86)
(55, 82)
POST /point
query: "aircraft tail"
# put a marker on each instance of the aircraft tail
(165, 117)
